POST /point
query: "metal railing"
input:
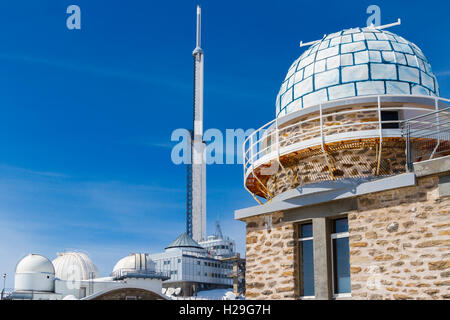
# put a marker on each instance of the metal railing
(132, 273)
(5, 293)
(427, 136)
(263, 149)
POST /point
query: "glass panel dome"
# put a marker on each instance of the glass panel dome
(355, 62)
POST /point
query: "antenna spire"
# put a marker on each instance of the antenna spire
(199, 26)
(198, 146)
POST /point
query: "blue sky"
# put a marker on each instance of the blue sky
(87, 115)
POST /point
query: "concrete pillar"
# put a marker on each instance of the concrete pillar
(322, 259)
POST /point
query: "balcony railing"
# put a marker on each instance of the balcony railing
(427, 135)
(5, 293)
(132, 273)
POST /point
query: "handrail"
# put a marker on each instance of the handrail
(270, 139)
(133, 272)
(429, 137)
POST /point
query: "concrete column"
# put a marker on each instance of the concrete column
(322, 261)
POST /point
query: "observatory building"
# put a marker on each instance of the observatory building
(194, 267)
(183, 269)
(352, 176)
(73, 276)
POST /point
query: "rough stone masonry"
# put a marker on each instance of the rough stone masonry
(399, 247)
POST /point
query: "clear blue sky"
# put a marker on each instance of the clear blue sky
(86, 116)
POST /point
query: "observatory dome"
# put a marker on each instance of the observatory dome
(74, 266)
(35, 263)
(355, 62)
(135, 262)
(34, 273)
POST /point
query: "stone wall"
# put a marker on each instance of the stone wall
(271, 259)
(400, 244)
(399, 247)
(352, 160)
(307, 127)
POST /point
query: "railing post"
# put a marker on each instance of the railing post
(380, 125)
(321, 128)
(244, 161)
(251, 151)
(277, 134)
(438, 139)
(322, 141)
(277, 139)
(408, 147)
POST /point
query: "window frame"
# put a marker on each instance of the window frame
(334, 236)
(387, 114)
(301, 239)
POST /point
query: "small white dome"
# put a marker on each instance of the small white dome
(34, 273)
(35, 263)
(74, 266)
(70, 297)
(135, 262)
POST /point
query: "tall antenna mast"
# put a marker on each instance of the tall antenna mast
(199, 27)
(198, 145)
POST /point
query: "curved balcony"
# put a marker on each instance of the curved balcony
(133, 273)
(356, 137)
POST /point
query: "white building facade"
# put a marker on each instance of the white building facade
(192, 267)
(73, 276)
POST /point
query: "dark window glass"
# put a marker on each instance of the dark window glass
(306, 260)
(341, 265)
(341, 258)
(306, 230)
(389, 116)
(307, 268)
(340, 225)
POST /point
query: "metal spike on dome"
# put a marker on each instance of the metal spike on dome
(399, 22)
(308, 43)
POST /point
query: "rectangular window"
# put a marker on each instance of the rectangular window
(341, 257)
(306, 255)
(389, 116)
(82, 292)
